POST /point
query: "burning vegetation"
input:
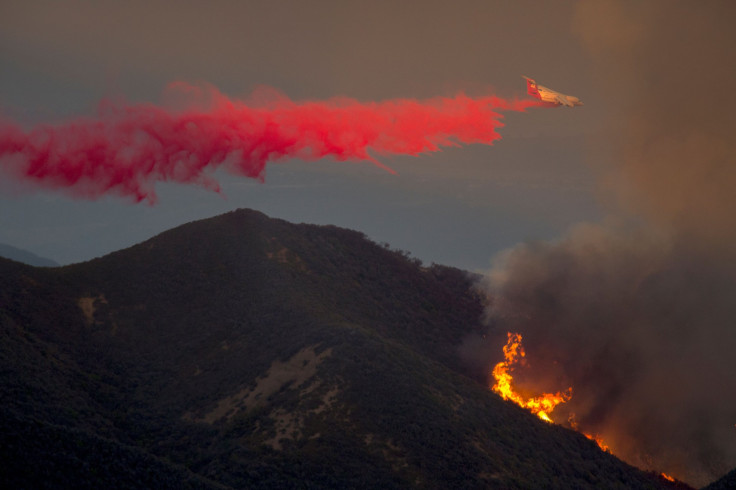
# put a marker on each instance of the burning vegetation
(542, 405)
(514, 355)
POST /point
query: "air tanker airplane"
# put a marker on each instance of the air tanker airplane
(547, 95)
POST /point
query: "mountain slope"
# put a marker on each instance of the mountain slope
(24, 256)
(726, 482)
(249, 352)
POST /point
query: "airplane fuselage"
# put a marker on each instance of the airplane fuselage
(551, 96)
(548, 95)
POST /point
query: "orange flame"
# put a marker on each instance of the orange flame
(542, 405)
(514, 354)
(667, 477)
(593, 437)
(598, 440)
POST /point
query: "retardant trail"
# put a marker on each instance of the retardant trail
(126, 148)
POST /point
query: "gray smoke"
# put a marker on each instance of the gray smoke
(639, 317)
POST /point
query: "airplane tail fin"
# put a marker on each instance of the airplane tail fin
(531, 87)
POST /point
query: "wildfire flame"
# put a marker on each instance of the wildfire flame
(593, 437)
(514, 355)
(598, 440)
(542, 405)
(667, 477)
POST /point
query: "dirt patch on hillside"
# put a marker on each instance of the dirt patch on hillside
(283, 255)
(295, 371)
(290, 425)
(88, 305)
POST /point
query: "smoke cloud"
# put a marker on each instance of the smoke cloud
(126, 148)
(638, 314)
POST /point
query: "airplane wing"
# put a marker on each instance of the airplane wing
(562, 99)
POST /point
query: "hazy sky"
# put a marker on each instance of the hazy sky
(457, 207)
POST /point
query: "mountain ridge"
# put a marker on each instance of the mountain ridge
(243, 350)
(24, 256)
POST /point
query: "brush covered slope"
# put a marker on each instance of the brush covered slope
(248, 352)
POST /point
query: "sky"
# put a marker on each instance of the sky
(605, 231)
(456, 207)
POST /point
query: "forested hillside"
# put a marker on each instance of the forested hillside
(248, 352)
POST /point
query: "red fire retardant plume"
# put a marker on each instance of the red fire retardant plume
(125, 149)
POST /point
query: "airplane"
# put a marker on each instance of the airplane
(548, 95)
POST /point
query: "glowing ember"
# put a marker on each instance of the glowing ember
(667, 477)
(514, 355)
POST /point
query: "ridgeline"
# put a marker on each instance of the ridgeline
(247, 352)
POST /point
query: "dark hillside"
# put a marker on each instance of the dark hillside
(726, 482)
(253, 353)
(220, 266)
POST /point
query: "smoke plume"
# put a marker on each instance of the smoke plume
(638, 314)
(125, 149)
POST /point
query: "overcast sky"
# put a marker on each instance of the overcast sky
(457, 207)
